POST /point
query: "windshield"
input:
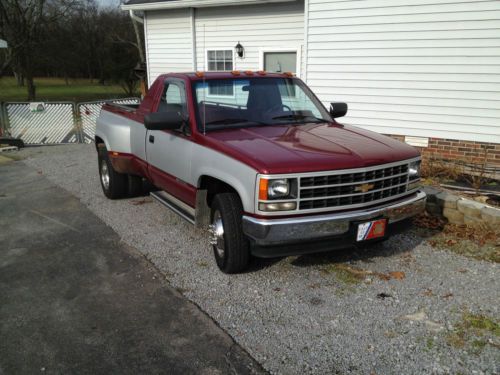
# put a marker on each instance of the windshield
(245, 102)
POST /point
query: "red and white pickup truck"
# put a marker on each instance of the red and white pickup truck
(257, 159)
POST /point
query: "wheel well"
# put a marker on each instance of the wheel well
(214, 186)
(98, 141)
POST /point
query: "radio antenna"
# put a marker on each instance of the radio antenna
(204, 85)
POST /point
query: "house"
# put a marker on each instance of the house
(426, 72)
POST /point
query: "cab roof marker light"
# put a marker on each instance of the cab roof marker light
(261, 72)
(236, 73)
(249, 73)
(199, 74)
(289, 74)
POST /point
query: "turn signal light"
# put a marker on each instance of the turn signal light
(263, 184)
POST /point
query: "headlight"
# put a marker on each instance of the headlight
(278, 188)
(414, 170)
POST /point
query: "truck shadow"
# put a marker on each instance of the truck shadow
(397, 244)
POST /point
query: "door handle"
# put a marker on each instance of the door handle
(151, 139)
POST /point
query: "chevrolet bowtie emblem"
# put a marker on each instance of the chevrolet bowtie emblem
(364, 188)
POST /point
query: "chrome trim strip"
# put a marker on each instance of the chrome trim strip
(179, 207)
(352, 195)
(353, 183)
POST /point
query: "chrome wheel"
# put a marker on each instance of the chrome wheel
(217, 234)
(104, 174)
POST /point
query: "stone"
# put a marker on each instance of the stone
(453, 216)
(431, 193)
(433, 209)
(491, 217)
(447, 200)
(470, 208)
(473, 221)
(416, 317)
(433, 326)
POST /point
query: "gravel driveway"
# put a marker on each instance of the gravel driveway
(401, 307)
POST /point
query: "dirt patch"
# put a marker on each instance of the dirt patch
(473, 242)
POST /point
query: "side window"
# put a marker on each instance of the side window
(173, 99)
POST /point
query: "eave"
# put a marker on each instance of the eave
(178, 4)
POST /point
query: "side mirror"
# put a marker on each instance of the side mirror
(163, 121)
(338, 109)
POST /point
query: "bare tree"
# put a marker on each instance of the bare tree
(21, 23)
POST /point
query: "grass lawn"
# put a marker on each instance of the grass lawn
(55, 89)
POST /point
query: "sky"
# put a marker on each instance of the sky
(106, 3)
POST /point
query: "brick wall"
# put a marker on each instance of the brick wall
(460, 151)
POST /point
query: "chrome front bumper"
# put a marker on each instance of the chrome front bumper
(271, 232)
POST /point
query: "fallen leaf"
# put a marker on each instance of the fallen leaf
(462, 270)
(383, 276)
(448, 295)
(140, 202)
(398, 275)
(428, 292)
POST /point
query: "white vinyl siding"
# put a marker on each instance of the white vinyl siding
(427, 68)
(268, 26)
(168, 42)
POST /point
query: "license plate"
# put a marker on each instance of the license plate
(371, 230)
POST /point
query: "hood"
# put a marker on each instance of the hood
(309, 148)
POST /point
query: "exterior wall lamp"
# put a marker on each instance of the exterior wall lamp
(240, 51)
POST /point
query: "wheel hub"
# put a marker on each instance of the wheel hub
(105, 174)
(216, 230)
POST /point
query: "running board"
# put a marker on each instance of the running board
(180, 208)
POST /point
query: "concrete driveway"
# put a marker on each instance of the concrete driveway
(75, 299)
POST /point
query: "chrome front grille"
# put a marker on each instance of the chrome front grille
(343, 190)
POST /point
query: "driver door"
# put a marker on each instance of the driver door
(169, 152)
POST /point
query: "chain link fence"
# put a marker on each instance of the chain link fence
(41, 123)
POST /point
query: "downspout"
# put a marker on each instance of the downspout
(140, 69)
(135, 18)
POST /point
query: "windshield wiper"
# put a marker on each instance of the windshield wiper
(233, 121)
(298, 117)
(226, 121)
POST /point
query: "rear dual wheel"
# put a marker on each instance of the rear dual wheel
(116, 185)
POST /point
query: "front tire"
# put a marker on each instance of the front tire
(114, 184)
(230, 246)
